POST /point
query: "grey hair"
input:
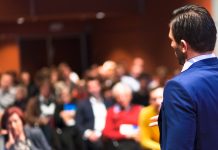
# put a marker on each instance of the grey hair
(120, 88)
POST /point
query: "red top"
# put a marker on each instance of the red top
(116, 117)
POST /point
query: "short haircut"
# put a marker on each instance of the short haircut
(90, 78)
(195, 25)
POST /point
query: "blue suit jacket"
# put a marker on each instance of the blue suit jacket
(189, 113)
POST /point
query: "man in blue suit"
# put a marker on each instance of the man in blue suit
(188, 118)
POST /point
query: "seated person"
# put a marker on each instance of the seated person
(40, 110)
(19, 136)
(91, 115)
(69, 135)
(149, 136)
(7, 92)
(21, 97)
(120, 131)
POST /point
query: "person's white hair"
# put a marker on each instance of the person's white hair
(120, 88)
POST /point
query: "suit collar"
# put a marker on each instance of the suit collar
(193, 60)
(205, 62)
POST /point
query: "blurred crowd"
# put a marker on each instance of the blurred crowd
(108, 107)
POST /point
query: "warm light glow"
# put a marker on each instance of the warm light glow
(100, 15)
(20, 20)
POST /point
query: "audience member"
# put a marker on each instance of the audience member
(21, 97)
(136, 70)
(108, 74)
(69, 77)
(120, 131)
(69, 135)
(141, 97)
(26, 81)
(19, 136)
(149, 136)
(91, 115)
(40, 111)
(7, 92)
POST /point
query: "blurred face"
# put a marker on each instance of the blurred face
(144, 84)
(108, 69)
(123, 98)
(6, 81)
(20, 94)
(65, 71)
(94, 88)
(120, 70)
(136, 70)
(54, 76)
(15, 125)
(178, 52)
(156, 98)
(45, 90)
(138, 61)
(65, 96)
(25, 77)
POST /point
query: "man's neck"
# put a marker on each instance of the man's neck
(96, 97)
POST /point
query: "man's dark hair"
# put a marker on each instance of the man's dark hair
(195, 25)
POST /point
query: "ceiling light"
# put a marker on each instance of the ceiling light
(100, 15)
(20, 20)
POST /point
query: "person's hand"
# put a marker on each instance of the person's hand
(134, 136)
(10, 141)
(63, 115)
(93, 137)
(67, 115)
(154, 121)
(44, 120)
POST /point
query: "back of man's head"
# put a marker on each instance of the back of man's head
(195, 25)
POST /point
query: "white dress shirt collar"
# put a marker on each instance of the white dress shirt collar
(191, 61)
(94, 100)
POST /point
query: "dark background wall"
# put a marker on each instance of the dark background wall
(71, 33)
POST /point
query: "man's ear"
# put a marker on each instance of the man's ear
(184, 46)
